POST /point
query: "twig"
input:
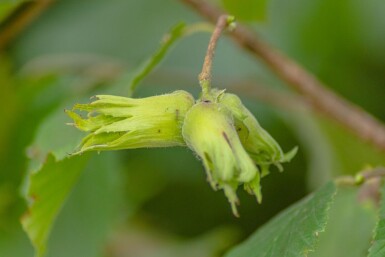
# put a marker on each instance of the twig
(370, 182)
(361, 177)
(316, 93)
(21, 18)
(373, 173)
(205, 75)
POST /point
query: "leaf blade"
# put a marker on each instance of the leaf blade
(292, 233)
(48, 189)
(350, 225)
(378, 247)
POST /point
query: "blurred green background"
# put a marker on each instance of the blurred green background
(156, 202)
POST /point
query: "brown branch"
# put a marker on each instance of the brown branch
(316, 93)
(21, 18)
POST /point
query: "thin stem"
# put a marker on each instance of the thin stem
(176, 33)
(360, 178)
(198, 27)
(205, 75)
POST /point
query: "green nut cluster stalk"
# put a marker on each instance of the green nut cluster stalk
(234, 148)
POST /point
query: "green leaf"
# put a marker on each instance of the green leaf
(92, 210)
(294, 232)
(48, 189)
(350, 226)
(246, 10)
(378, 247)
